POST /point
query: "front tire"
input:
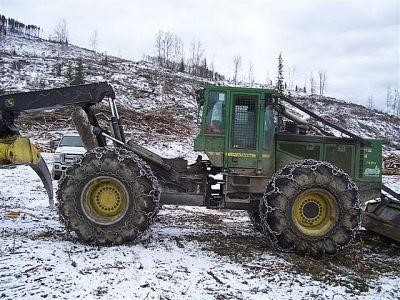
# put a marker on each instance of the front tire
(108, 197)
(311, 207)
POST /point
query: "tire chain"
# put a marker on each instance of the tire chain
(313, 166)
(122, 154)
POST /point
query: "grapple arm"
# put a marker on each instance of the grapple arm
(82, 95)
(14, 149)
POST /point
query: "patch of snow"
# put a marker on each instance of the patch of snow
(174, 260)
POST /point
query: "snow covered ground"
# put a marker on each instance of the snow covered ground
(189, 253)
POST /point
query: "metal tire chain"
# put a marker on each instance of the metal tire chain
(122, 155)
(287, 172)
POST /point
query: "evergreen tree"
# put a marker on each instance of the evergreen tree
(279, 83)
(57, 69)
(204, 69)
(181, 66)
(78, 79)
(105, 60)
(69, 75)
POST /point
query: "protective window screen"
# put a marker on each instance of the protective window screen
(244, 121)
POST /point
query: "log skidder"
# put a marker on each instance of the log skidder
(310, 207)
(108, 197)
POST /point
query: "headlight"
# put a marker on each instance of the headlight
(57, 157)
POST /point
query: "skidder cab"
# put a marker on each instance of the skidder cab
(237, 134)
(303, 187)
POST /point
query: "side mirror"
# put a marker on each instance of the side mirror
(200, 97)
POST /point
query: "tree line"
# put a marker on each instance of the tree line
(170, 54)
(316, 86)
(15, 26)
(60, 32)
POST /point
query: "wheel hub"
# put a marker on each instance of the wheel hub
(107, 200)
(104, 200)
(311, 210)
(315, 212)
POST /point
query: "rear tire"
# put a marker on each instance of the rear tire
(311, 207)
(109, 196)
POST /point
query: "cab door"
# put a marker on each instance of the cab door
(242, 142)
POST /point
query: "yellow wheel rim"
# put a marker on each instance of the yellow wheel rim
(315, 212)
(105, 200)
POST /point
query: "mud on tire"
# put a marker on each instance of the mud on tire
(254, 216)
(109, 196)
(310, 207)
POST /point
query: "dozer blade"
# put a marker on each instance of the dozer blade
(43, 172)
(383, 217)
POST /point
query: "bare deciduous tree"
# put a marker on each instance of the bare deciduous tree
(61, 32)
(312, 84)
(396, 101)
(159, 45)
(164, 47)
(169, 49)
(370, 103)
(322, 81)
(388, 98)
(212, 68)
(291, 73)
(177, 55)
(268, 80)
(196, 56)
(251, 74)
(237, 61)
(93, 41)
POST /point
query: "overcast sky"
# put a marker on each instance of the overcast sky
(355, 41)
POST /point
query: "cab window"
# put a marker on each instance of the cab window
(215, 118)
(269, 128)
(244, 123)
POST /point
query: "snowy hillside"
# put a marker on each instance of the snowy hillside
(356, 118)
(157, 101)
(151, 99)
